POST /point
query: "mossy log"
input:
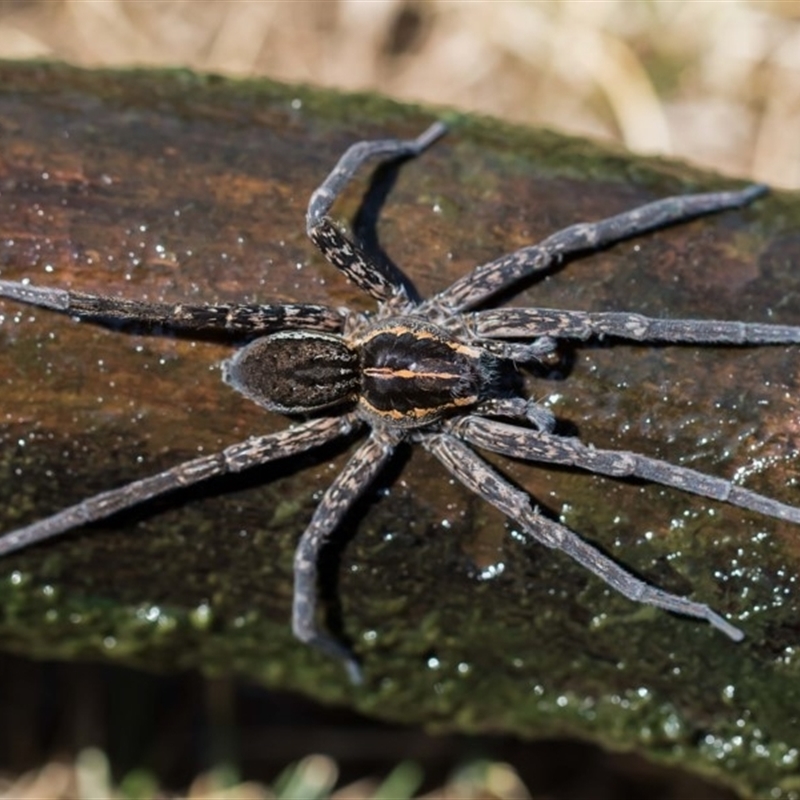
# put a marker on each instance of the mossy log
(172, 186)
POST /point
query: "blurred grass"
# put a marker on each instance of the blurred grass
(312, 778)
(716, 83)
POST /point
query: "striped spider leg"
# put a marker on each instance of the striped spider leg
(501, 273)
(419, 371)
(478, 476)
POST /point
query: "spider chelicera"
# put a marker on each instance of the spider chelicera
(432, 372)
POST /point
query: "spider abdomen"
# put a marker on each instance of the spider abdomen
(413, 372)
(295, 372)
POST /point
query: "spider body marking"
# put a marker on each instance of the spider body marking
(399, 371)
(434, 372)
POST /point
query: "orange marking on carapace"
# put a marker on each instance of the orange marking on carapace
(421, 333)
(417, 413)
(387, 372)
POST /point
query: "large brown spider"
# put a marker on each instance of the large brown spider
(431, 372)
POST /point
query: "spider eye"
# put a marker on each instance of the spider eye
(295, 372)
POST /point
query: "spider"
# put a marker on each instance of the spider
(432, 372)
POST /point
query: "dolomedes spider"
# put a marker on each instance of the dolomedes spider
(431, 372)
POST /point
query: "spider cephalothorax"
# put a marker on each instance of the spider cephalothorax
(432, 372)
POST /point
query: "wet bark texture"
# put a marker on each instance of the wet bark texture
(170, 186)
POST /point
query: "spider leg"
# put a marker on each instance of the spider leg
(250, 453)
(350, 483)
(545, 446)
(537, 350)
(244, 319)
(490, 278)
(478, 476)
(537, 322)
(518, 408)
(380, 280)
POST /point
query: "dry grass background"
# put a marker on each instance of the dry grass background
(716, 82)
(713, 82)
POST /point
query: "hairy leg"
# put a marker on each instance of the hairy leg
(378, 280)
(250, 453)
(544, 446)
(477, 475)
(516, 408)
(236, 318)
(522, 323)
(350, 484)
(497, 275)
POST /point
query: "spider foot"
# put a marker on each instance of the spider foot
(428, 137)
(723, 626)
(340, 652)
(353, 670)
(752, 192)
(41, 296)
(641, 592)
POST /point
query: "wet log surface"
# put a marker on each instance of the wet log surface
(170, 187)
